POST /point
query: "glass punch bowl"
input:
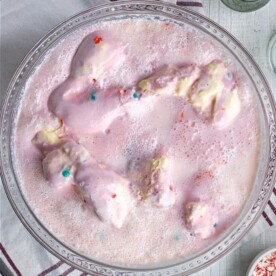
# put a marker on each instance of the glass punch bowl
(152, 10)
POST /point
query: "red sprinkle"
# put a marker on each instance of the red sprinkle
(94, 80)
(181, 116)
(97, 40)
(209, 174)
(198, 177)
(113, 195)
(205, 173)
(167, 26)
(121, 92)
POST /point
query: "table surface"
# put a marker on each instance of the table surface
(253, 30)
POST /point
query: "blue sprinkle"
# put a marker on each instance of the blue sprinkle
(66, 173)
(135, 96)
(215, 225)
(93, 96)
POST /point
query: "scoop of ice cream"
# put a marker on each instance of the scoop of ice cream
(59, 165)
(200, 214)
(226, 109)
(215, 96)
(84, 108)
(200, 218)
(208, 87)
(76, 101)
(161, 82)
(157, 184)
(108, 191)
(97, 52)
(46, 140)
(171, 80)
(187, 76)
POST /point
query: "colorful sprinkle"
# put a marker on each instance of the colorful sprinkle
(204, 174)
(198, 177)
(93, 96)
(181, 116)
(177, 237)
(120, 92)
(113, 195)
(215, 225)
(209, 174)
(97, 40)
(65, 173)
(135, 96)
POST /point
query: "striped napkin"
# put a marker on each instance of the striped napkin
(266, 221)
(20, 254)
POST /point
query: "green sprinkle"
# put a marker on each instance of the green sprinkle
(177, 237)
(93, 96)
(135, 95)
(66, 173)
